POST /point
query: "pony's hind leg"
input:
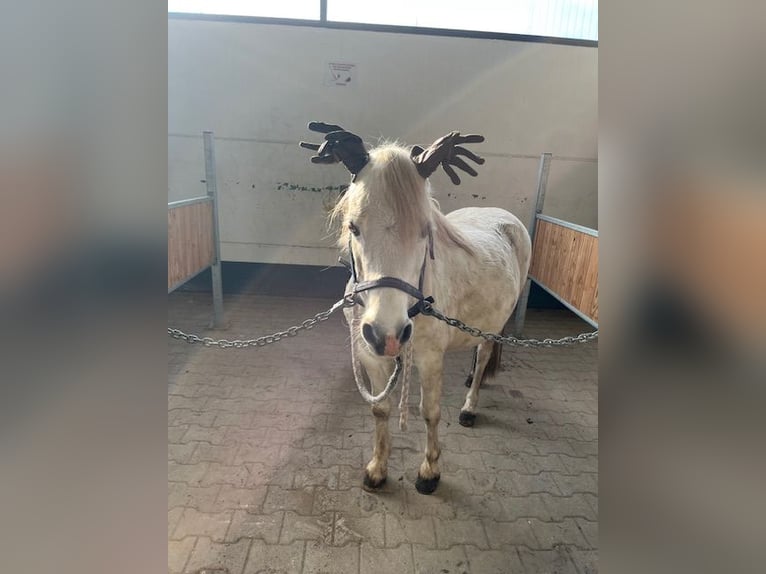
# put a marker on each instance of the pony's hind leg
(486, 363)
(469, 378)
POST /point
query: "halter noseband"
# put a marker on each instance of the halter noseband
(392, 282)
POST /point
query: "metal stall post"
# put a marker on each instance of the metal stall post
(542, 183)
(212, 191)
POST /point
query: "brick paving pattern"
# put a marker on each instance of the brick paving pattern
(267, 448)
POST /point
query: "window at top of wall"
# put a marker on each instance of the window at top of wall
(298, 9)
(574, 19)
(568, 19)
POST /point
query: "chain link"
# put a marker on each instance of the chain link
(427, 309)
(347, 301)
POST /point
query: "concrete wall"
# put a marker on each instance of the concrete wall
(256, 86)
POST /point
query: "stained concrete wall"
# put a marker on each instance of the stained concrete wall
(257, 85)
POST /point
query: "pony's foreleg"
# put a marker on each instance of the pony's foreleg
(430, 408)
(484, 352)
(377, 469)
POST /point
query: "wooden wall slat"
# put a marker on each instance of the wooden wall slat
(566, 261)
(190, 241)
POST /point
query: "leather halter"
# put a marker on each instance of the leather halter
(392, 282)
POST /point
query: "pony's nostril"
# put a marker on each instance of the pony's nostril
(406, 333)
(368, 334)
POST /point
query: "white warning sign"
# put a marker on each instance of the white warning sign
(340, 74)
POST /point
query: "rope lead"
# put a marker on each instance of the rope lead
(402, 369)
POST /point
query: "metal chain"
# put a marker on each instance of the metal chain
(427, 309)
(347, 301)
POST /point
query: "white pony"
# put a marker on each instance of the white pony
(473, 262)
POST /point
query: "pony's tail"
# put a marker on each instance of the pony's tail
(493, 365)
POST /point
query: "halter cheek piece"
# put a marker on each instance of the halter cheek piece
(392, 282)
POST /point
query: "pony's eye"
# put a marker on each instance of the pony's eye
(353, 228)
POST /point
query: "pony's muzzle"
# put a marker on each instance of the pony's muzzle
(386, 345)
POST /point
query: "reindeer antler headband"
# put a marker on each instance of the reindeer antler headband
(445, 152)
(348, 148)
(339, 146)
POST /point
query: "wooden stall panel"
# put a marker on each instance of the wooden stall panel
(566, 262)
(190, 241)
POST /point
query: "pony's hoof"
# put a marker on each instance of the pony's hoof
(467, 419)
(427, 485)
(370, 484)
(469, 381)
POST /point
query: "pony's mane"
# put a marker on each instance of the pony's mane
(445, 231)
(391, 177)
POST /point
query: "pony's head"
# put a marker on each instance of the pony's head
(387, 220)
(385, 223)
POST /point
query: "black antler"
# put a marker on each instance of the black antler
(339, 146)
(445, 152)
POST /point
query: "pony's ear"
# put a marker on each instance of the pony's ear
(445, 152)
(339, 146)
